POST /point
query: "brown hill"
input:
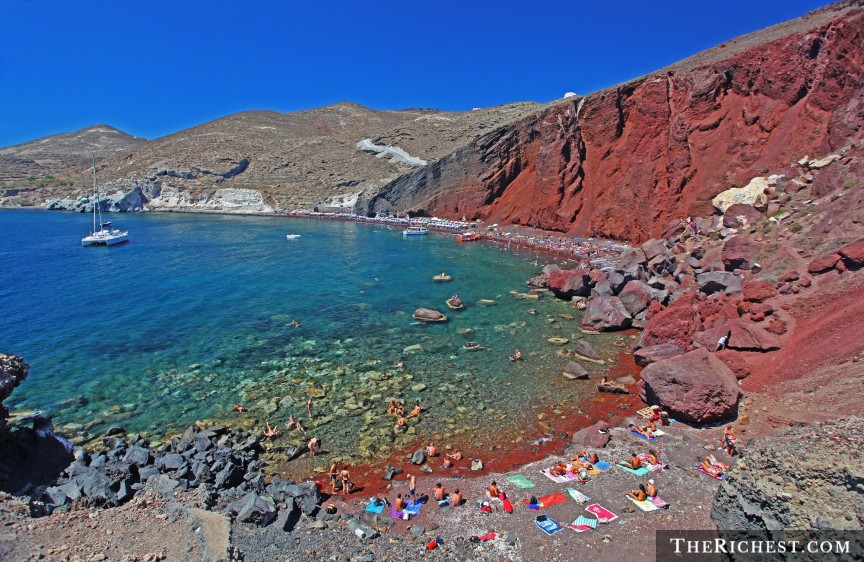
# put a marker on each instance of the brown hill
(63, 154)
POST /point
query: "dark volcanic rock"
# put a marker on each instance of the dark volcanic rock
(694, 387)
(255, 509)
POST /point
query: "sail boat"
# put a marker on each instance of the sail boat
(106, 235)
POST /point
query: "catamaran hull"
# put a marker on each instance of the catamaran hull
(105, 240)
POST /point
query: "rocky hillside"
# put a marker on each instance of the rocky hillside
(622, 162)
(265, 161)
(807, 478)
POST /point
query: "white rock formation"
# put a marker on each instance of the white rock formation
(395, 154)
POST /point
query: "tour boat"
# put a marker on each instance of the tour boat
(469, 236)
(415, 231)
(107, 235)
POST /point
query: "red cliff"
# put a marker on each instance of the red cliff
(622, 162)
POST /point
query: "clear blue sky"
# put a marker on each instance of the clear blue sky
(153, 67)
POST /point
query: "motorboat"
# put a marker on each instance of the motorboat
(106, 235)
(469, 236)
(292, 236)
(417, 230)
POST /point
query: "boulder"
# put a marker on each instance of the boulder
(653, 248)
(162, 485)
(574, 370)
(695, 387)
(391, 473)
(853, 254)
(538, 282)
(418, 457)
(567, 283)
(428, 315)
(758, 291)
(635, 296)
(605, 313)
(823, 263)
(229, 477)
(654, 353)
(617, 281)
(712, 282)
(252, 508)
(751, 194)
(595, 436)
(583, 350)
(172, 461)
(138, 456)
(631, 263)
(739, 252)
(674, 324)
(477, 464)
(740, 215)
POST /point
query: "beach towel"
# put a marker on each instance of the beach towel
(546, 501)
(600, 465)
(396, 514)
(547, 524)
(521, 481)
(698, 467)
(652, 467)
(487, 537)
(603, 514)
(582, 524)
(413, 508)
(641, 472)
(658, 502)
(644, 505)
(568, 477)
(637, 434)
(659, 432)
(508, 507)
(577, 495)
(376, 509)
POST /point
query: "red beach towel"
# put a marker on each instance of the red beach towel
(508, 507)
(551, 499)
(603, 514)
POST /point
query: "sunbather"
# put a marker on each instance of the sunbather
(456, 497)
(635, 462)
(651, 457)
(640, 494)
(713, 467)
(439, 492)
(651, 489)
(399, 504)
(493, 489)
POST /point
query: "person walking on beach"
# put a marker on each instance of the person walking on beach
(309, 407)
(334, 477)
(412, 485)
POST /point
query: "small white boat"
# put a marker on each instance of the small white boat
(107, 235)
(292, 236)
(415, 231)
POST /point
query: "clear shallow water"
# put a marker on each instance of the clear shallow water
(194, 315)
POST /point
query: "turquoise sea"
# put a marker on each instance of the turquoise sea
(195, 313)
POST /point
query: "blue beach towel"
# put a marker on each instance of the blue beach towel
(601, 465)
(641, 472)
(637, 434)
(413, 508)
(376, 509)
(547, 524)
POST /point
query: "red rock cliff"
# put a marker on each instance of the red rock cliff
(624, 161)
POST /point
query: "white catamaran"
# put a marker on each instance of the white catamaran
(106, 235)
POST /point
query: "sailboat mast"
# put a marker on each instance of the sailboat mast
(95, 199)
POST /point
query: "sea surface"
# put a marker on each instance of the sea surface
(194, 315)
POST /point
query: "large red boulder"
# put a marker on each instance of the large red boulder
(675, 324)
(605, 313)
(567, 283)
(739, 214)
(595, 436)
(853, 254)
(823, 263)
(739, 252)
(695, 387)
(758, 291)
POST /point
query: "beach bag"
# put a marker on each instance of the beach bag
(331, 509)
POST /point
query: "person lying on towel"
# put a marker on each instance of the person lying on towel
(713, 467)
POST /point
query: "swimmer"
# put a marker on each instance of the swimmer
(313, 444)
(309, 407)
(516, 356)
(448, 463)
(431, 451)
(270, 432)
(240, 408)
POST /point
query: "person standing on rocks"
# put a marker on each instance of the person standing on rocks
(345, 476)
(309, 407)
(334, 477)
(314, 443)
(729, 439)
(723, 342)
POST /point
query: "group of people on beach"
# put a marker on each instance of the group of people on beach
(397, 408)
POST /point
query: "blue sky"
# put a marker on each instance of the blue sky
(153, 67)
